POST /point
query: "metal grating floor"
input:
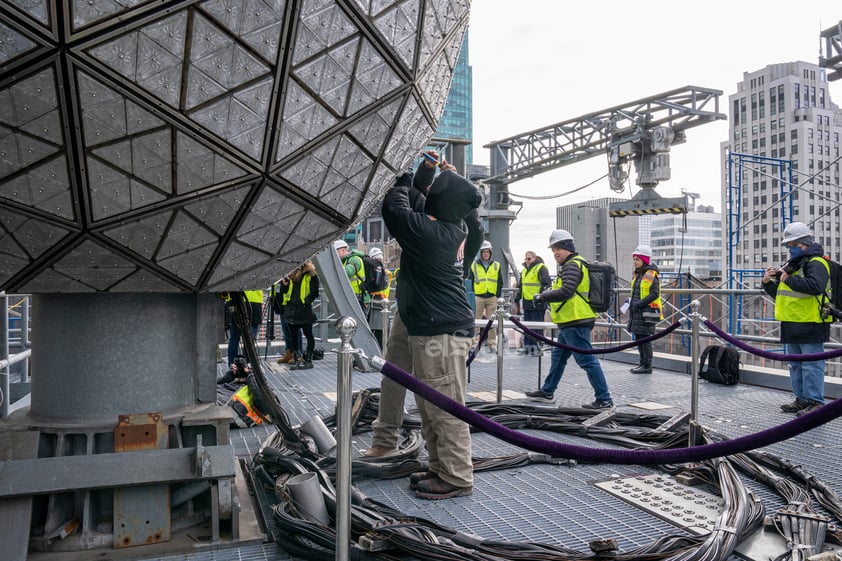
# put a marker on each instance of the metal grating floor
(555, 504)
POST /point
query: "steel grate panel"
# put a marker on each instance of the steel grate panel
(554, 504)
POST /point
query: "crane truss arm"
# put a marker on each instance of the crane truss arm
(833, 49)
(541, 150)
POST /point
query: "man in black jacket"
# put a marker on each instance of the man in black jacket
(439, 321)
(387, 426)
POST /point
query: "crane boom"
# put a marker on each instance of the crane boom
(833, 49)
(534, 152)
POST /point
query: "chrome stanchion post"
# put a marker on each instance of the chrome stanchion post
(695, 427)
(346, 327)
(4, 354)
(384, 319)
(502, 304)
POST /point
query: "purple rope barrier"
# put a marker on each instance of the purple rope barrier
(483, 335)
(766, 354)
(739, 445)
(622, 347)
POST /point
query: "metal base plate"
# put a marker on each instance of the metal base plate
(689, 508)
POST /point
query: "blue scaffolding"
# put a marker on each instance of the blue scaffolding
(738, 167)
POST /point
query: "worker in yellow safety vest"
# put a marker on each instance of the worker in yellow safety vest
(644, 305)
(572, 313)
(487, 278)
(255, 301)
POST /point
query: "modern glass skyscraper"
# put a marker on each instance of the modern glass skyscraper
(457, 119)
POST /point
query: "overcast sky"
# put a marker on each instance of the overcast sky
(539, 62)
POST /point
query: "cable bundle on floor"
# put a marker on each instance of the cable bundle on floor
(381, 533)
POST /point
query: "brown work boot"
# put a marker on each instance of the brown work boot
(379, 451)
(287, 358)
(418, 477)
(435, 489)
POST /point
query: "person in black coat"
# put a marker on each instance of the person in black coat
(298, 312)
(386, 427)
(439, 321)
(645, 308)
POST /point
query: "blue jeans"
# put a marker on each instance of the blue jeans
(234, 341)
(807, 377)
(532, 315)
(579, 337)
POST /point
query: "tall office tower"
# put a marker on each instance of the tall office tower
(688, 243)
(783, 121)
(457, 119)
(599, 237)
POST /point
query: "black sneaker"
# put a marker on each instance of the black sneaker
(641, 370)
(811, 406)
(598, 404)
(795, 406)
(540, 396)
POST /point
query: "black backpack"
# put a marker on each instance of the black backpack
(835, 296)
(602, 277)
(375, 278)
(720, 365)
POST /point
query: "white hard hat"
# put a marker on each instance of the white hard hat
(643, 250)
(340, 244)
(560, 236)
(486, 245)
(795, 231)
(375, 252)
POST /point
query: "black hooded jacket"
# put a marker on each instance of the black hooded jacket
(431, 292)
(637, 324)
(420, 181)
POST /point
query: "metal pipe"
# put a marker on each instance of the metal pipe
(694, 373)
(25, 324)
(703, 291)
(501, 316)
(187, 492)
(384, 318)
(5, 373)
(15, 358)
(346, 327)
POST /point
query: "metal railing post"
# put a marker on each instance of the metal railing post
(384, 319)
(346, 327)
(502, 305)
(695, 428)
(4, 354)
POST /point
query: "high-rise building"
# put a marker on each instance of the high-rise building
(457, 119)
(599, 237)
(782, 117)
(688, 243)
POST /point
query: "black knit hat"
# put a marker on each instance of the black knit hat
(566, 244)
(404, 179)
(451, 197)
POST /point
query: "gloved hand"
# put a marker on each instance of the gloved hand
(536, 298)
